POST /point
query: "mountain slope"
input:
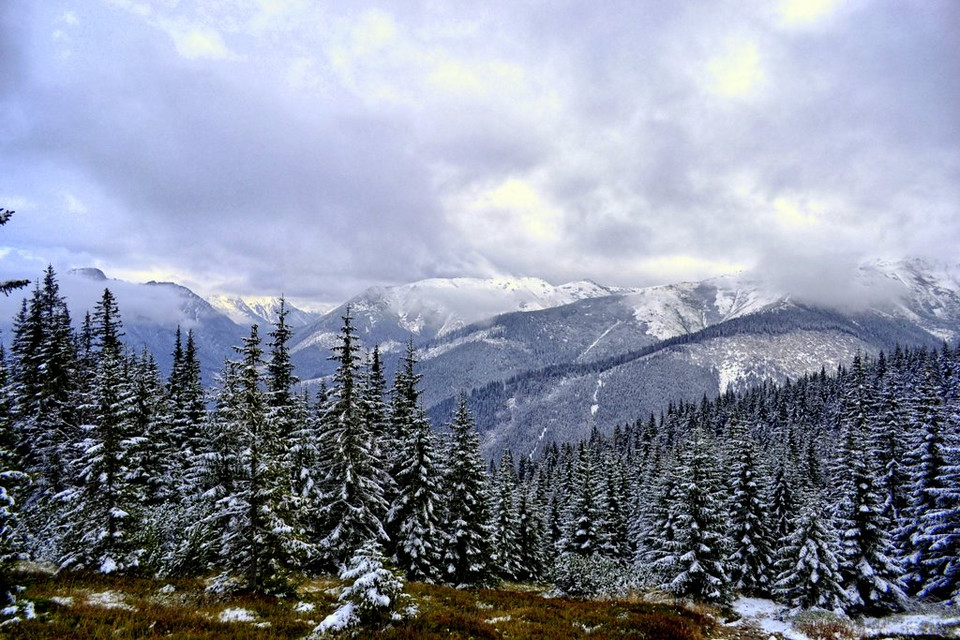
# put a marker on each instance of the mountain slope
(263, 311)
(150, 314)
(558, 373)
(424, 310)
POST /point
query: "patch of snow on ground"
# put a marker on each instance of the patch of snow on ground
(773, 618)
(63, 601)
(498, 619)
(766, 615)
(237, 615)
(602, 336)
(304, 607)
(596, 394)
(108, 600)
(912, 625)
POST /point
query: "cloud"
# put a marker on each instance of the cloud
(199, 42)
(737, 72)
(253, 148)
(806, 12)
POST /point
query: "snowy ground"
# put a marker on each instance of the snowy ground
(775, 619)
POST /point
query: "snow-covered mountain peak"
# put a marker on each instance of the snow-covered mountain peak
(437, 306)
(262, 310)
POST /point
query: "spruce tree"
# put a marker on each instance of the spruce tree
(45, 408)
(352, 476)
(750, 561)
(615, 514)
(103, 514)
(531, 532)
(505, 521)
(259, 541)
(415, 515)
(695, 557)
(467, 553)
(870, 575)
(583, 517)
(12, 481)
(932, 533)
(809, 570)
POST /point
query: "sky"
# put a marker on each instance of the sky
(259, 147)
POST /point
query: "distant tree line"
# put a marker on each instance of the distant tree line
(840, 492)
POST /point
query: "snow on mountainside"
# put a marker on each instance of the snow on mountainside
(437, 306)
(676, 309)
(427, 309)
(556, 373)
(262, 310)
(150, 313)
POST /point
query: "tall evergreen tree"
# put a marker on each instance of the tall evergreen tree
(467, 554)
(583, 518)
(103, 507)
(12, 480)
(809, 570)
(353, 477)
(415, 515)
(696, 555)
(870, 575)
(751, 559)
(44, 369)
(259, 541)
(930, 535)
(505, 522)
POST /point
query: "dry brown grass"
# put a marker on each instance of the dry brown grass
(95, 607)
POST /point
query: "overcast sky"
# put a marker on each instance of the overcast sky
(315, 148)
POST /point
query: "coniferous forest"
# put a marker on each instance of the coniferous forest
(838, 491)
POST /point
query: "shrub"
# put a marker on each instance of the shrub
(590, 576)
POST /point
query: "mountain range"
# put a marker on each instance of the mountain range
(541, 362)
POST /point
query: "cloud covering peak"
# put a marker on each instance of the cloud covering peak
(286, 146)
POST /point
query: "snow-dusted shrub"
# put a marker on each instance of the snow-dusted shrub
(590, 576)
(818, 624)
(373, 600)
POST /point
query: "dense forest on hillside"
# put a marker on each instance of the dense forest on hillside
(838, 491)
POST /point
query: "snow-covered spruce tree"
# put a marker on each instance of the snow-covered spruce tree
(750, 561)
(185, 406)
(156, 481)
(940, 535)
(44, 412)
(693, 562)
(12, 481)
(614, 540)
(870, 576)
(212, 474)
(374, 600)
(152, 472)
(531, 532)
(103, 507)
(889, 444)
(404, 406)
(505, 519)
(467, 554)
(287, 413)
(809, 572)
(256, 539)
(582, 519)
(784, 502)
(352, 476)
(415, 517)
(654, 528)
(934, 525)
